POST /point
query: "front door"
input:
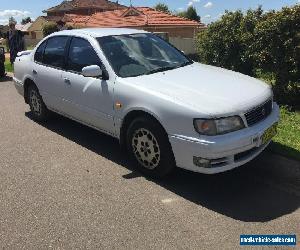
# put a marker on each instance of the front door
(91, 98)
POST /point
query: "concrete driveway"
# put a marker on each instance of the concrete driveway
(63, 186)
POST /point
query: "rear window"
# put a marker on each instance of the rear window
(38, 56)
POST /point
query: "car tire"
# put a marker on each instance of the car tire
(149, 147)
(38, 108)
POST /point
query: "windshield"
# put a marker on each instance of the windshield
(140, 54)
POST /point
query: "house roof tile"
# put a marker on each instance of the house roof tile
(23, 27)
(80, 4)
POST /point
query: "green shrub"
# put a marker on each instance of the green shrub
(266, 46)
(276, 49)
(225, 42)
(49, 28)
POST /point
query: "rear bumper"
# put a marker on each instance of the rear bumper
(19, 86)
(225, 151)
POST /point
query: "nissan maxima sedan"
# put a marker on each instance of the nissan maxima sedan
(165, 109)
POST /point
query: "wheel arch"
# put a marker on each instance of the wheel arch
(27, 82)
(129, 117)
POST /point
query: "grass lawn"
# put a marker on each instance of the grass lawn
(287, 141)
(8, 67)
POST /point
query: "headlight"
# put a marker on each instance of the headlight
(218, 126)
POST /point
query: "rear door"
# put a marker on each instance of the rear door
(47, 71)
(91, 98)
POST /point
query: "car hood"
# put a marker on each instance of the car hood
(206, 89)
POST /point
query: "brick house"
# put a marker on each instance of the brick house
(180, 31)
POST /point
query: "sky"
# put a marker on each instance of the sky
(209, 10)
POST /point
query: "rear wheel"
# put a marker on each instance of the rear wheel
(149, 146)
(37, 106)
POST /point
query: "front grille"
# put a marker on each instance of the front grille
(259, 113)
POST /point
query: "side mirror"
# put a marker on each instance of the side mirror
(92, 71)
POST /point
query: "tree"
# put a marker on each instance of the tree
(12, 20)
(50, 28)
(162, 7)
(181, 14)
(191, 13)
(26, 20)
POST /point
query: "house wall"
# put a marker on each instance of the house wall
(36, 31)
(37, 25)
(183, 38)
(176, 31)
(187, 45)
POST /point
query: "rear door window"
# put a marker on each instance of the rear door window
(54, 54)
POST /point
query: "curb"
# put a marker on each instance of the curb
(8, 77)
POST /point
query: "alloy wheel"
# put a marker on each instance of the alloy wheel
(146, 148)
(35, 102)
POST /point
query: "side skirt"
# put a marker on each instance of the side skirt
(83, 123)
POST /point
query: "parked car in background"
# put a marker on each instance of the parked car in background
(165, 109)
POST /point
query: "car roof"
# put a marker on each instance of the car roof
(99, 32)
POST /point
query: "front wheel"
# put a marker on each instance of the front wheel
(37, 106)
(149, 146)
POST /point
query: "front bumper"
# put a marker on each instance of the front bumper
(226, 151)
(19, 86)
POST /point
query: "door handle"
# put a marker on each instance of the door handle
(67, 81)
(34, 72)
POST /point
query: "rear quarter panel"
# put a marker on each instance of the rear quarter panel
(23, 68)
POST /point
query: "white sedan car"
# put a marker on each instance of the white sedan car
(165, 109)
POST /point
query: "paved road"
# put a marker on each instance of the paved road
(63, 186)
